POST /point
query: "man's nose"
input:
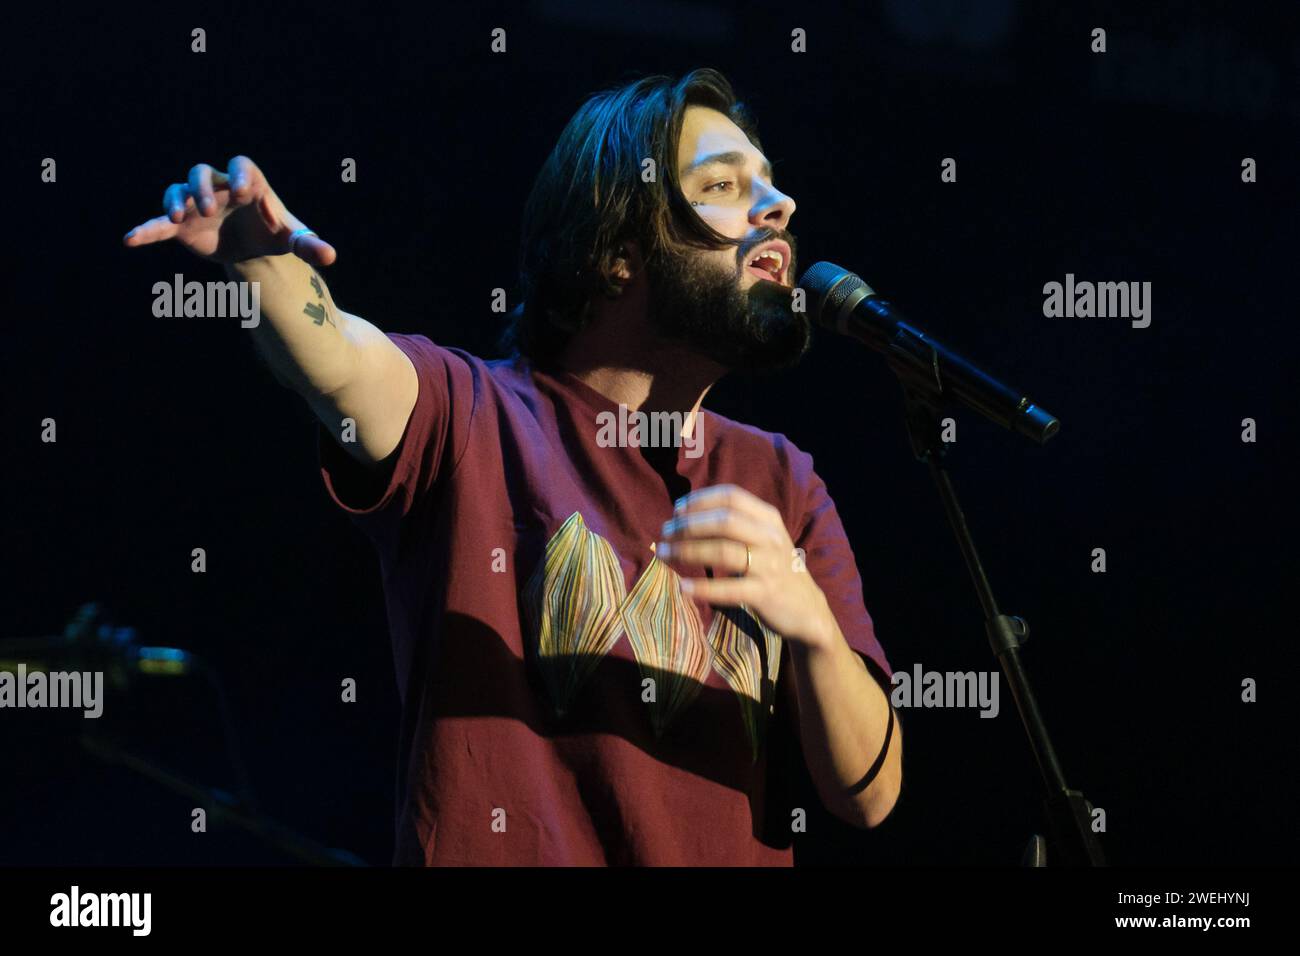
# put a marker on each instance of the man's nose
(773, 211)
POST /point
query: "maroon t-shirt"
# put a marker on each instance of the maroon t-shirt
(563, 702)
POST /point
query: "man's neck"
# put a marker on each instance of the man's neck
(644, 375)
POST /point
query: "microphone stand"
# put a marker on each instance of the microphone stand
(90, 643)
(1068, 813)
(222, 806)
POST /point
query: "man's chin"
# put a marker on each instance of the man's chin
(766, 350)
(745, 326)
(776, 336)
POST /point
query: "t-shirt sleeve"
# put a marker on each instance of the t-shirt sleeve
(434, 439)
(829, 558)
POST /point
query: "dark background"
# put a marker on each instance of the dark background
(1123, 166)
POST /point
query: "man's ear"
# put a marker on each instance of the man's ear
(627, 264)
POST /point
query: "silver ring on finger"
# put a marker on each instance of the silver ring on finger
(296, 235)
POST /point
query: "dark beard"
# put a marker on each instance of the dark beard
(694, 302)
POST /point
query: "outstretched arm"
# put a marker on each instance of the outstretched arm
(343, 366)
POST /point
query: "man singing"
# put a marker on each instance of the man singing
(602, 646)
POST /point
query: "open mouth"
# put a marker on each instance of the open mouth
(769, 261)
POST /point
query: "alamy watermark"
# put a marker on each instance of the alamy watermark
(922, 688)
(638, 429)
(1100, 300)
(208, 300)
(74, 908)
(72, 689)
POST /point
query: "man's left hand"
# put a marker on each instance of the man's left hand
(712, 528)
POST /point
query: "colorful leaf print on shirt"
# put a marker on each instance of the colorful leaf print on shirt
(574, 598)
(579, 607)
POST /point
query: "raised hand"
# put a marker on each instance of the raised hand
(230, 216)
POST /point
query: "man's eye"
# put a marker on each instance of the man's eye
(725, 182)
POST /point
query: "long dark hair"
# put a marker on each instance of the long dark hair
(590, 197)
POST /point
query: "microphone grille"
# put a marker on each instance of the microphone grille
(828, 287)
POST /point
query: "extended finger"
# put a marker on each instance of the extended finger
(155, 230)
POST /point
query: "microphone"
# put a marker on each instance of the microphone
(840, 301)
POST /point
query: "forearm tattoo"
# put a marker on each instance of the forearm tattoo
(319, 311)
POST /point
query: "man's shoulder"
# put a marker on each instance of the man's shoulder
(458, 364)
(417, 344)
(742, 434)
(754, 447)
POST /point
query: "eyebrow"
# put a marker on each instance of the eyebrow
(732, 158)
